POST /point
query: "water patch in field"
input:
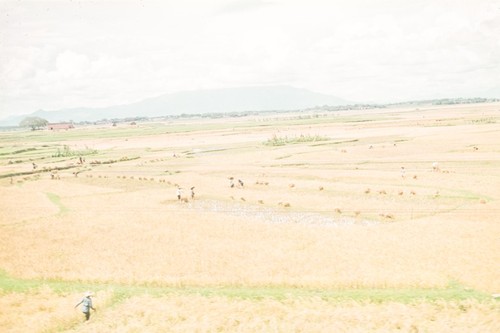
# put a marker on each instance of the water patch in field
(270, 215)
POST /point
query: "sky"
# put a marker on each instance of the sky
(64, 53)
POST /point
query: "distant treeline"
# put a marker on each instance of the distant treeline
(451, 101)
(442, 101)
(216, 115)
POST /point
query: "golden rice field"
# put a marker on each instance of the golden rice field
(354, 221)
(221, 314)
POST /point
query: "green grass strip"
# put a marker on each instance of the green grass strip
(56, 200)
(453, 292)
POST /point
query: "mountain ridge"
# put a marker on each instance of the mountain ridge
(268, 98)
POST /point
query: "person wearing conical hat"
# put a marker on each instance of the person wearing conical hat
(86, 303)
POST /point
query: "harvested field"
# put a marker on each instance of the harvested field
(352, 221)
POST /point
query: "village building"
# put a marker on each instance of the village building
(60, 126)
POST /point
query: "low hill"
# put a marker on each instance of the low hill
(195, 102)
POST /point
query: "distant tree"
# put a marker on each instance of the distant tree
(33, 122)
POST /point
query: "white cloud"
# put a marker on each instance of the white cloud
(68, 54)
(72, 65)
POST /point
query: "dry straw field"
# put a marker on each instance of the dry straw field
(354, 221)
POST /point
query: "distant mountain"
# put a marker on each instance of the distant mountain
(195, 102)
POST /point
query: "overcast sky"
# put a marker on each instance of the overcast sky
(60, 54)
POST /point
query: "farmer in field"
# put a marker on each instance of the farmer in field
(192, 193)
(178, 193)
(86, 303)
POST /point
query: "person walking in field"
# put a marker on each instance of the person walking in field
(179, 192)
(192, 193)
(86, 303)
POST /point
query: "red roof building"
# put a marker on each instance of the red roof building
(60, 126)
